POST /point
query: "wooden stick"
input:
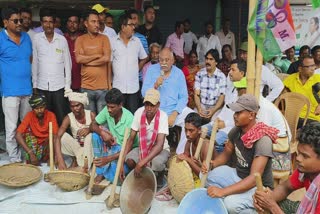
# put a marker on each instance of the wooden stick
(204, 131)
(119, 165)
(210, 151)
(51, 147)
(259, 187)
(91, 182)
(259, 61)
(251, 55)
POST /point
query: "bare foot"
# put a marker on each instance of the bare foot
(98, 179)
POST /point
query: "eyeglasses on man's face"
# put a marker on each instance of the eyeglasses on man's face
(309, 66)
(15, 21)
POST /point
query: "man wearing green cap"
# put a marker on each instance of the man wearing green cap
(33, 132)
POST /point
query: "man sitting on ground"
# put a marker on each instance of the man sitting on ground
(33, 132)
(307, 175)
(107, 141)
(79, 145)
(193, 132)
(251, 143)
(152, 125)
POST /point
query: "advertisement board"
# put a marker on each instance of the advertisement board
(306, 22)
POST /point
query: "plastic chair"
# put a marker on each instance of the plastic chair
(291, 104)
(282, 76)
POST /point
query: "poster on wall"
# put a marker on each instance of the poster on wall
(306, 22)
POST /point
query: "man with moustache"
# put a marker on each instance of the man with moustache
(154, 50)
(209, 87)
(109, 128)
(71, 35)
(251, 143)
(128, 58)
(33, 132)
(307, 176)
(92, 51)
(51, 66)
(26, 15)
(152, 125)
(79, 145)
(15, 67)
(171, 83)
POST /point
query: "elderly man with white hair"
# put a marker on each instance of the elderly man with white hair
(79, 145)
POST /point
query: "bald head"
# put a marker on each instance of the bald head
(166, 59)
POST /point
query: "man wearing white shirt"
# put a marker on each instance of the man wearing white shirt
(128, 58)
(267, 77)
(207, 42)
(104, 29)
(189, 37)
(26, 15)
(227, 37)
(51, 66)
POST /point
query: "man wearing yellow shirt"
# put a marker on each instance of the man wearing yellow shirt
(302, 82)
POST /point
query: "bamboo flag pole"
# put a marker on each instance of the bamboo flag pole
(51, 147)
(210, 152)
(204, 131)
(251, 55)
(259, 61)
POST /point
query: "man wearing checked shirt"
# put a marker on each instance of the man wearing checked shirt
(209, 87)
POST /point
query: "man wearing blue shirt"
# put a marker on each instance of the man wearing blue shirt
(15, 69)
(171, 83)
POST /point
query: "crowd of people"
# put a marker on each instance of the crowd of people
(93, 83)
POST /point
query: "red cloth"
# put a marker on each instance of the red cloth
(30, 121)
(144, 149)
(76, 68)
(257, 132)
(298, 183)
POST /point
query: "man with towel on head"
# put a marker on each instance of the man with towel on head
(78, 146)
(33, 132)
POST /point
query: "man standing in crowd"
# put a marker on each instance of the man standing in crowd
(190, 40)
(109, 128)
(207, 42)
(92, 50)
(103, 28)
(227, 37)
(154, 50)
(15, 66)
(51, 66)
(128, 58)
(26, 15)
(79, 145)
(40, 28)
(152, 126)
(71, 35)
(109, 20)
(294, 67)
(171, 83)
(33, 131)
(209, 87)
(175, 42)
(149, 28)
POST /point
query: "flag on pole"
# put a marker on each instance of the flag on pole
(315, 3)
(271, 26)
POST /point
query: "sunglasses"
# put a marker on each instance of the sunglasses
(16, 21)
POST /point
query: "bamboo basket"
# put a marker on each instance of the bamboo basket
(19, 175)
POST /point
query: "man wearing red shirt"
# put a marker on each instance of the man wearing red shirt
(71, 35)
(307, 175)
